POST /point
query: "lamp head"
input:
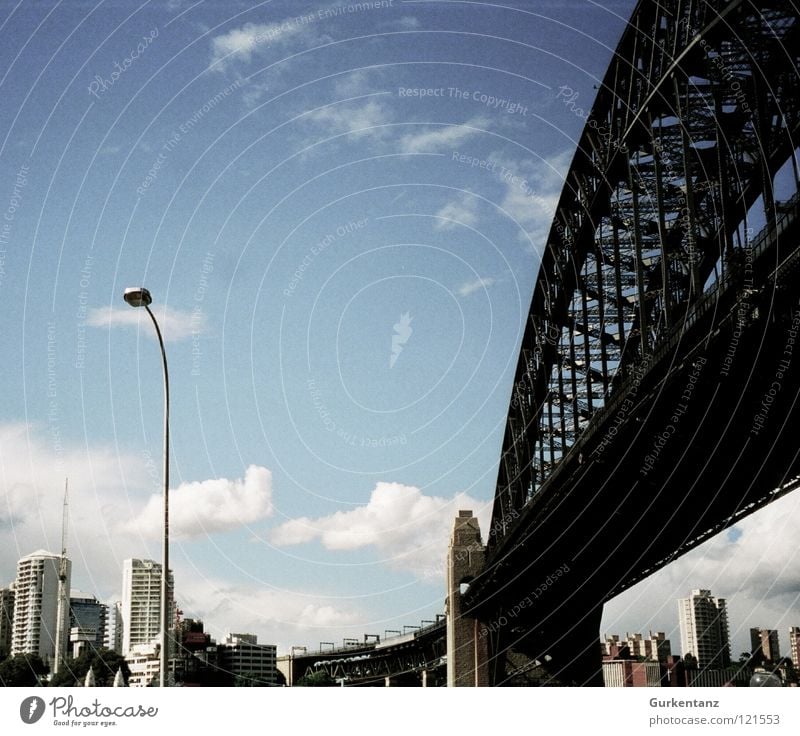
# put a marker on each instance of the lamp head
(137, 296)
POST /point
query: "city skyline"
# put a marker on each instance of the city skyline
(145, 576)
(339, 216)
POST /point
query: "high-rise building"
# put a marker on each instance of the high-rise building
(704, 629)
(141, 603)
(114, 627)
(36, 605)
(764, 646)
(794, 646)
(87, 622)
(6, 619)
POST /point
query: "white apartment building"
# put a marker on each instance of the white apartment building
(141, 603)
(36, 605)
(704, 629)
(114, 627)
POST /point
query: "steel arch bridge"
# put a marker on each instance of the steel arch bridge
(654, 401)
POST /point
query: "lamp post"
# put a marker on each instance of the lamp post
(140, 297)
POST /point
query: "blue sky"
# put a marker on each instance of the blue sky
(338, 210)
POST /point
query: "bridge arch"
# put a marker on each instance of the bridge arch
(665, 276)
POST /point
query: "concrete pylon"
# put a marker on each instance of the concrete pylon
(467, 651)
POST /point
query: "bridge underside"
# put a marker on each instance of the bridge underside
(698, 443)
(655, 398)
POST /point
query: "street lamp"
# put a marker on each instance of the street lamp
(140, 297)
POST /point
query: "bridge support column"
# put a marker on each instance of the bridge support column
(467, 653)
(577, 660)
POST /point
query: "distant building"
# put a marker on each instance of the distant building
(6, 619)
(704, 630)
(87, 622)
(674, 673)
(141, 603)
(725, 677)
(197, 660)
(36, 605)
(764, 647)
(190, 636)
(794, 646)
(637, 661)
(114, 627)
(655, 647)
(145, 665)
(630, 673)
(245, 658)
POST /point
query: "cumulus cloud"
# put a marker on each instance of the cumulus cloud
(408, 529)
(175, 324)
(447, 137)
(111, 516)
(470, 287)
(461, 211)
(281, 617)
(209, 506)
(34, 462)
(105, 490)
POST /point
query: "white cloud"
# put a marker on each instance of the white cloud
(254, 92)
(362, 119)
(470, 287)
(532, 192)
(241, 43)
(279, 617)
(460, 211)
(355, 84)
(103, 483)
(447, 137)
(408, 22)
(111, 515)
(175, 324)
(105, 491)
(758, 572)
(409, 529)
(206, 507)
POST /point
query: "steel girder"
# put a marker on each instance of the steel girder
(697, 112)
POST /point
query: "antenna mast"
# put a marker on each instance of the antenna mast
(63, 593)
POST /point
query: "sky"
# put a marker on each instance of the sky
(338, 209)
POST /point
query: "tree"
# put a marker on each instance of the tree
(22, 670)
(316, 679)
(249, 679)
(104, 662)
(745, 658)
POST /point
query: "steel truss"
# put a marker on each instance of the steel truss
(696, 114)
